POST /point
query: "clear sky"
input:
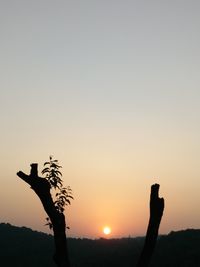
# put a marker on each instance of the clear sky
(112, 89)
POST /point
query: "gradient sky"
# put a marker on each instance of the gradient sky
(112, 90)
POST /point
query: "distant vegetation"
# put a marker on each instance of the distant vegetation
(22, 247)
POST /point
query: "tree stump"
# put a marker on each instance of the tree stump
(42, 188)
(156, 212)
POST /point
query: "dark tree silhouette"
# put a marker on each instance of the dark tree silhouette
(56, 219)
(156, 212)
(54, 209)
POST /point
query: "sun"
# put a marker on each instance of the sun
(106, 230)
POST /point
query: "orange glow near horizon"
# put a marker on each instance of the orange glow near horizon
(106, 230)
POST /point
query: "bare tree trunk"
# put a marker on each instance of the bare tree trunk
(42, 188)
(156, 212)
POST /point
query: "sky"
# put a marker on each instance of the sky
(110, 89)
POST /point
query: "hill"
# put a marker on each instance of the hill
(21, 246)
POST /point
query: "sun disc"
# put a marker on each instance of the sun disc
(106, 230)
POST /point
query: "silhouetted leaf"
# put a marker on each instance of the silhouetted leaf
(45, 170)
(46, 163)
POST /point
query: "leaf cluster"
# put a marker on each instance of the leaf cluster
(52, 173)
(63, 195)
(63, 198)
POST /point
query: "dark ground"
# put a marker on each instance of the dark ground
(22, 247)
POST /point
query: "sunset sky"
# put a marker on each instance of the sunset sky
(111, 88)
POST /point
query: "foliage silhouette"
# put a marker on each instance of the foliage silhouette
(54, 209)
(63, 195)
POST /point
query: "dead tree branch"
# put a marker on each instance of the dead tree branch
(156, 212)
(42, 188)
